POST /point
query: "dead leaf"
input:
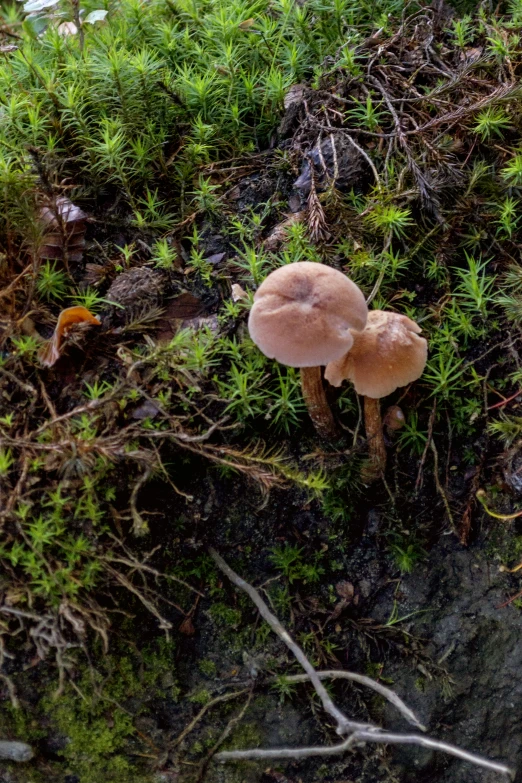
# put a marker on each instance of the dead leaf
(65, 225)
(183, 307)
(187, 626)
(278, 235)
(471, 54)
(345, 590)
(234, 193)
(50, 352)
(294, 202)
(210, 322)
(14, 596)
(238, 293)
(215, 258)
(67, 28)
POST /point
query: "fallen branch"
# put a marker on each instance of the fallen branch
(343, 724)
(358, 733)
(386, 693)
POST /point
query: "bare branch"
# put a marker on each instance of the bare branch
(367, 159)
(359, 738)
(358, 734)
(387, 693)
(343, 724)
(193, 723)
(427, 742)
(285, 753)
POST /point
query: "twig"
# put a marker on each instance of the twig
(504, 402)
(360, 737)
(7, 290)
(510, 600)
(367, 159)
(418, 482)
(387, 693)
(142, 567)
(26, 387)
(139, 525)
(343, 724)
(384, 267)
(358, 733)
(193, 723)
(481, 497)
(164, 624)
(223, 736)
(439, 486)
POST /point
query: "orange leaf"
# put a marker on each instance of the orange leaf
(50, 353)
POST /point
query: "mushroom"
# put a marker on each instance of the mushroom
(389, 353)
(305, 315)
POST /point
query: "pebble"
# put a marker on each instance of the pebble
(15, 751)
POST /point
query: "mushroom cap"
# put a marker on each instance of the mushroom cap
(389, 353)
(304, 312)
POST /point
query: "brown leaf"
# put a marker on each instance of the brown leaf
(278, 235)
(147, 410)
(345, 590)
(471, 54)
(182, 308)
(65, 227)
(187, 626)
(215, 258)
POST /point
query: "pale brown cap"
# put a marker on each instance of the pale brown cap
(303, 313)
(389, 353)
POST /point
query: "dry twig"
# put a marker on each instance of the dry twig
(357, 733)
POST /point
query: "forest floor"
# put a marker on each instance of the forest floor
(157, 161)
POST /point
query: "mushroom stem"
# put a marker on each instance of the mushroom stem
(316, 402)
(374, 432)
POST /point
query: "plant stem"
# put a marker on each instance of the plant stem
(374, 433)
(316, 402)
(78, 22)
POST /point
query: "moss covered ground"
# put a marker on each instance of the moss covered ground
(197, 145)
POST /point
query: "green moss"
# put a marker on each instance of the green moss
(98, 740)
(208, 667)
(200, 697)
(224, 616)
(95, 719)
(247, 735)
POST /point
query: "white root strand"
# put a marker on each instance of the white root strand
(358, 733)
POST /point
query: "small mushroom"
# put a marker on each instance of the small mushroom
(305, 315)
(389, 353)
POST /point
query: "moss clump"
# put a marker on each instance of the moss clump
(91, 726)
(98, 740)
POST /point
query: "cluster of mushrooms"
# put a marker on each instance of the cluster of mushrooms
(309, 315)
